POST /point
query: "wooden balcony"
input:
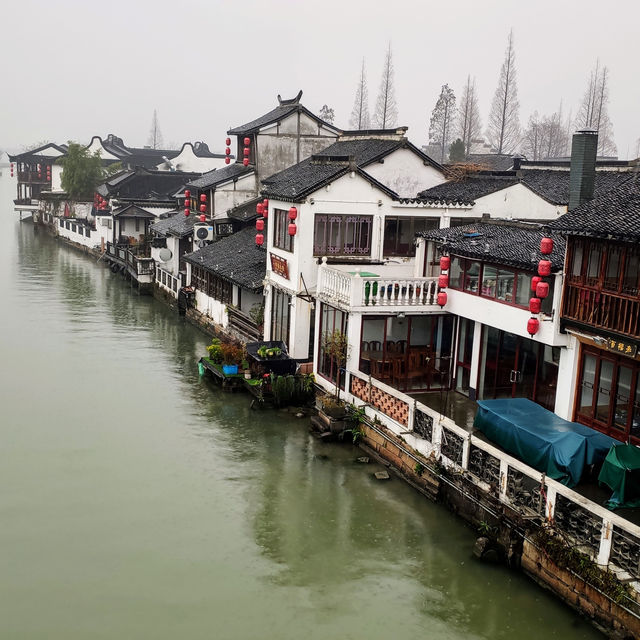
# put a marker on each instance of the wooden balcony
(362, 292)
(602, 310)
(140, 268)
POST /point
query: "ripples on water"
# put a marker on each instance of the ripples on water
(138, 501)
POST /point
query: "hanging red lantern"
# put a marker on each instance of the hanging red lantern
(227, 151)
(259, 224)
(187, 193)
(534, 305)
(546, 246)
(443, 281)
(187, 202)
(544, 268)
(186, 212)
(265, 211)
(245, 162)
(259, 239)
(265, 203)
(227, 160)
(247, 142)
(442, 298)
(542, 289)
(532, 326)
(203, 208)
(292, 229)
(293, 213)
(534, 282)
(203, 218)
(227, 141)
(203, 197)
(245, 152)
(259, 209)
(445, 263)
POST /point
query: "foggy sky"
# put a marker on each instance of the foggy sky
(75, 68)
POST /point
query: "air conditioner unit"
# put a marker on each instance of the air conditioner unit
(203, 231)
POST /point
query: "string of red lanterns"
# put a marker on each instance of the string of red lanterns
(293, 214)
(227, 151)
(245, 160)
(12, 169)
(539, 286)
(187, 202)
(443, 280)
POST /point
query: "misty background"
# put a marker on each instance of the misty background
(76, 68)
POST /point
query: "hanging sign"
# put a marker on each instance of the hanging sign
(622, 347)
(280, 266)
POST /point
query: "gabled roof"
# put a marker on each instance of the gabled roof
(235, 258)
(297, 182)
(132, 211)
(177, 224)
(468, 190)
(34, 154)
(514, 244)
(614, 214)
(284, 108)
(146, 185)
(493, 161)
(217, 177)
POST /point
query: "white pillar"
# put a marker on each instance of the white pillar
(567, 378)
(475, 357)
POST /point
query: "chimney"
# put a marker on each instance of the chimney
(582, 177)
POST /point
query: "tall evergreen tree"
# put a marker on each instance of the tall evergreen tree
(155, 140)
(503, 129)
(360, 118)
(385, 115)
(594, 110)
(469, 123)
(443, 116)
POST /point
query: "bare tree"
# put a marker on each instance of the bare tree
(594, 110)
(155, 135)
(360, 118)
(385, 115)
(441, 127)
(469, 124)
(503, 130)
(545, 137)
(327, 114)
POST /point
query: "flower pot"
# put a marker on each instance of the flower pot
(229, 369)
(247, 375)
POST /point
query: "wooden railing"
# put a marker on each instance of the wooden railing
(243, 325)
(602, 310)
(138, 266)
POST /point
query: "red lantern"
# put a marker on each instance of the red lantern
(203, 208)
(247, 142)
(293, 213)
(227, 151)
(265, 203)
(259, 208)
(532, 326)
(292, 229)
(227, 141)
(203, 218)
(203, 197)
(546, 246)
(259, 239)
(187, 193)
(245, 152)
(534, 305)
(443, 281)
(186, 212)
(542, 289)
(187, 202)
(445, 263)
(265, 211)
(534, 282)
(259, 224)
(442, 298)
(245, 162)
(227, 160)
(544, 268)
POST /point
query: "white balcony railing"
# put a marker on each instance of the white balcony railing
(354, 290)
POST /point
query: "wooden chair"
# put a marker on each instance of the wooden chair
(401, 346)
(375, 345)
(391, 346)
(407, 369)
(381, 370)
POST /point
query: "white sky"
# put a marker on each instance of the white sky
(74, 68)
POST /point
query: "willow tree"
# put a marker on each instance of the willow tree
(81, 172)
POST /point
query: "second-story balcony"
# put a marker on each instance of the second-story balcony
(140, 268)
(364, 291)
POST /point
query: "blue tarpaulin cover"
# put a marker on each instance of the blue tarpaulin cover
(541, 439)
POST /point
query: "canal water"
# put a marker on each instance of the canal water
(139, 501)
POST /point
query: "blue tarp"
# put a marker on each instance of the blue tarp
(541, 439)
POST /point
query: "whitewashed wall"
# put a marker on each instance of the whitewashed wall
(187, 160)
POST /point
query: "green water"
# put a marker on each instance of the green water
(138, 501)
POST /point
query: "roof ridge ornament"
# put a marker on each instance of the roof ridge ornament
(290, 101)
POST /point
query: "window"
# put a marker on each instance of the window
(489, 279)
(455, 273)
(523, 289)
(471, 276)
(400, 234)
(330, 320)
(137, 224)
(211, 284)
(280, 317)
(281, 237)
(336, 235)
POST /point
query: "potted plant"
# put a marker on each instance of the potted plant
(245, 367)
(215, 351)
(231, 357)
(335, 346)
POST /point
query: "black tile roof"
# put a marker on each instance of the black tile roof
(493, 161)
(34, 155)
(365, 150)
(175, 225)
(515, 244)
(144, 184)
(235, 258)
(219, 176)
(614, 214)
(552, 185)
(133, 211)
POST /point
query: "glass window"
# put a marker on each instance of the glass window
(504, 287)
(471, 276)
(280, 303)
(281, 237)
(342, 235)
(593, 266)
(547, 303)
(455, 273)
(630, 283)
(576, 263)
(331, 320)
(623, 396)
(400, 234)
(523, 289)
(612, 271)
(489, 278)
(604, 390)
(588, 382)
